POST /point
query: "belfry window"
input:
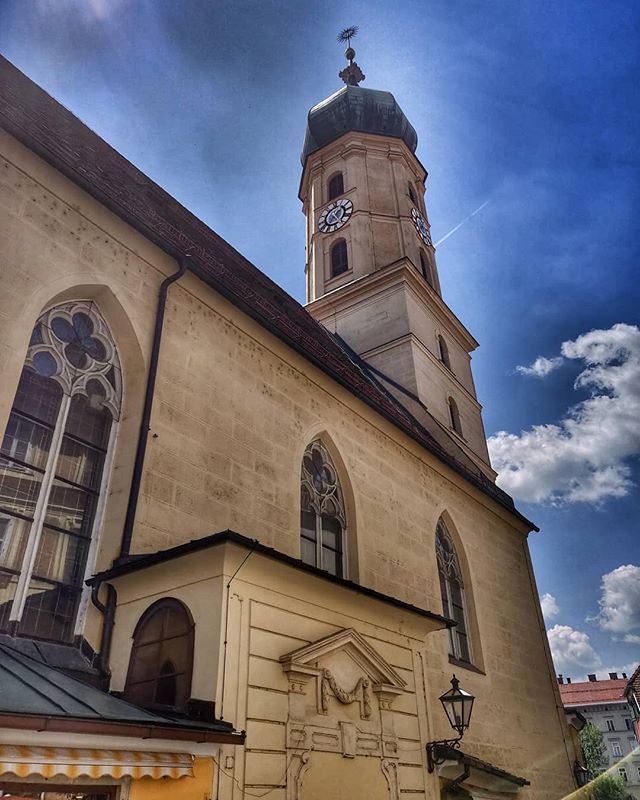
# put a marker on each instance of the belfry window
(412, 194)
(443, 352)
(339, 259)
(54, 449)
(454, 416)
(336, 186)
(161, 662)
(322, 514)
(452, 593)
(425, 267)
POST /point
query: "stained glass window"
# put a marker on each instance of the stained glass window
(322, 515)
(452, 593)
(51, 468)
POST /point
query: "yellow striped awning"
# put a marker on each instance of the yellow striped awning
(71, 762)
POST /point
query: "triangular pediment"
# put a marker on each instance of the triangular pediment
(348, 641)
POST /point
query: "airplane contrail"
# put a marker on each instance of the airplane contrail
(460, 224)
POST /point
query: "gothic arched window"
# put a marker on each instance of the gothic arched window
(412, 194)
(336, 186)
(454, 416)
(339, 259)
(161, 661)
(452, 593)
(51, 468)
(322, 514)
(444, 352)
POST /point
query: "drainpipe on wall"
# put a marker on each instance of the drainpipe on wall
(136, 479)
(108, 611)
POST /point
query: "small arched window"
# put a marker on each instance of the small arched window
(322, 513)
(51, 468)
(161, 660)
(443, 352)
(339, 259)
(412, 194)
(452, 593)
(425, 267)
(454, 416)
(336, 186)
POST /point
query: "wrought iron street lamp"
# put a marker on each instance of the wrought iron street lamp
(581, 774)
(458, 706)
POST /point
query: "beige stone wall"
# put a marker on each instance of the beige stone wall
(233, 413)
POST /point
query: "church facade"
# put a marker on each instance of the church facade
(245, 544)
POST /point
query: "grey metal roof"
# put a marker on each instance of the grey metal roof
(29, 687)
(356, 109)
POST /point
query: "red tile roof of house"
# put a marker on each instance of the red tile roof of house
(593, 692)
(634, 682)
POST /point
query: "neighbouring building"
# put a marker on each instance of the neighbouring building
(632, 693)
(603, 703)
(244, 544)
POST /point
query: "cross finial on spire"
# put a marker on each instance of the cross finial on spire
(351, 75)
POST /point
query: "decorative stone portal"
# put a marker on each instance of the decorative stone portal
(340, 735)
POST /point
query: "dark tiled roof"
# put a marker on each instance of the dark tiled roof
(445, 751)
(633, 684)
(138, 562)
(590, 692)
(30, 689)
(38, 121)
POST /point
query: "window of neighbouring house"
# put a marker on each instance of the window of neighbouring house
(452, 593)
(610, 725)
(52, 468)
(161, 661)
(322, 512)
(616, 749)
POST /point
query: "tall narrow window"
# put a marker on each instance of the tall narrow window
(425, 266)
(454, 416)
(339, 260)
(443, 352)
(51, 468)
(452, 593)
(322, 515)
(412, 194)
(161, 660)
(336, 186)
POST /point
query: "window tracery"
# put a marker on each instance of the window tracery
(452, 593)
(322, 513)
(51, 468)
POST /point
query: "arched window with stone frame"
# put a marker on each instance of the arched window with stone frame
(454, 416)
(339, 258)
(335, 186)
(53, 468)
(323, 521)
(425, 267)
(443, 352)
(452, 594)
(161, 661)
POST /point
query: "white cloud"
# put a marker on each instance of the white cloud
(549, 606)
(572, 651)
(582, 457)
(541, 366)
(620, 602)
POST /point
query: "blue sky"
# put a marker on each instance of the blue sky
(531, 106)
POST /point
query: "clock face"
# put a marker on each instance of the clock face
(335, 215)
(421, 226)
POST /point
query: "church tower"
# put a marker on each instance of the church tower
(371, 266)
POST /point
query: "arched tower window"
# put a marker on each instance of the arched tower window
(161, 662)
(443, 352)
(425, 266)
(452, 593)
(339, 260)
(336, 186)
(454, 416)
(52, 462)
(322, 513)
(412, 194)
